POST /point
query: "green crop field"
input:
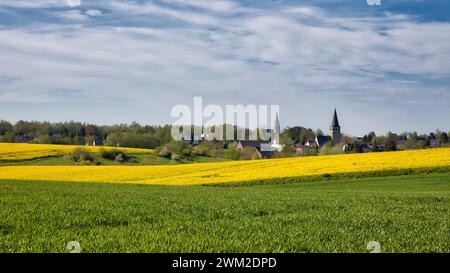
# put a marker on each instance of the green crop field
(404, 214)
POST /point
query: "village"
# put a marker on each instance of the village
(288, 142)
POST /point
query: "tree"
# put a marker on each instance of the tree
(328, 149)
(357, 148)
(91, 130)
(329, 144)
(232, 152)
(390, 143)
(374, 144)
(44, 139)
(5, 127)
(413, 136)
(208, 148)
(179, 148)
(443, 137)
(83, 156)
(319, 132)
(366, 139)
(421, 144)
(287, 151)
(9, 137)
(21, 128)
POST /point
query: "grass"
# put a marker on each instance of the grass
(404, 214)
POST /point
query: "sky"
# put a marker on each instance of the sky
(385, 68)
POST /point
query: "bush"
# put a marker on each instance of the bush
(175, 157)
(309, 151)
(232, 152)
(287, 151)
(390, 143)
(179, 148)
(333, 150)
(249, 153)
(210, 149)
(119, 158)
(187, 151)
(8, 138)
(201, 150)
(421, 144)
(44, 139)
(114, 154)
(83, 157)
(165, 152)
(107, 154)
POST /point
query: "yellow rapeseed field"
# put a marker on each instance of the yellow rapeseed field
(18, 151)
(235, 171)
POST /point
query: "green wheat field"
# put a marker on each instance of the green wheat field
(402, 213)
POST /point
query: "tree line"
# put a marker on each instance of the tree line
(159, 137)
(78, 133)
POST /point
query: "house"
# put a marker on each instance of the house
(365, 148)
(322, 140)
(347, 147)
(435, 143)
(261, 147)
(310, 143)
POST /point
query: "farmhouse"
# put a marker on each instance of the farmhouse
(259, 146)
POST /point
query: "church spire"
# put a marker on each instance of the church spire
(277, 129)
(335, 129)
(335, 121)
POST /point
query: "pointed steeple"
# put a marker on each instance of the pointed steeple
(277, 128)
(335, 121)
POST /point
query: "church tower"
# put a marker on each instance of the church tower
(335, 129)
(276, 131)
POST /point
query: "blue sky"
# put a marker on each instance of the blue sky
(383, 67)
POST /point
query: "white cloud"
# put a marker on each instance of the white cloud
(94, 12)
(303, 58)
(305, 11)
(71, 15)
